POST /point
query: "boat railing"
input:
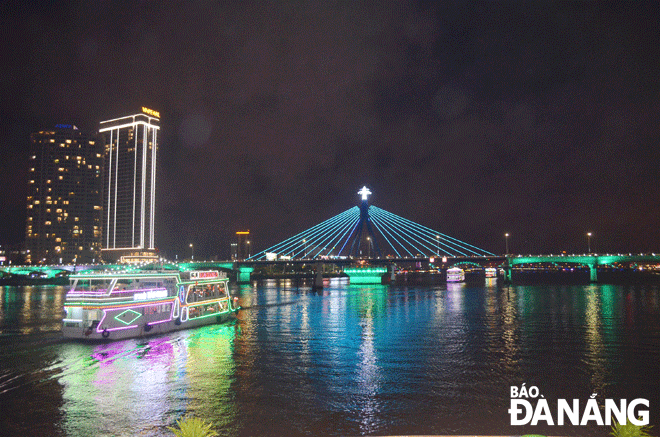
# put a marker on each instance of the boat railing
(117, 295)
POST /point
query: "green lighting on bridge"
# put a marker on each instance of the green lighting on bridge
(365, 275)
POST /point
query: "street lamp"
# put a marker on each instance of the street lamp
(192, 252)
(305, 248)
(506, 242)
(369, 248)
(588, 242)
(437, 244)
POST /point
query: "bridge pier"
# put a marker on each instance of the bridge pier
(593, 272)
(365, 275)
(318, 278)
(507, 271)
(243, 274)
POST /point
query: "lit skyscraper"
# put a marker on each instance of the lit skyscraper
(242, 249)
(64, 197)
(131, 144)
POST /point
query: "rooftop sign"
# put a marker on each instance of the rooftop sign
(151, 112)
(204, 274)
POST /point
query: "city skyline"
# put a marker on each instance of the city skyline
(478, 120)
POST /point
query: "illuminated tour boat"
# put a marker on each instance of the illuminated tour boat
(123, 305)
(455, 274)
(491, 272)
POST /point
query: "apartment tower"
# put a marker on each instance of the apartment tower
(64, 201)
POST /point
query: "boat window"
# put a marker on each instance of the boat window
(74, 313)
(203, 310)
(123, 284)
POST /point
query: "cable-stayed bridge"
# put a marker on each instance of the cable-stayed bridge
(370, 232)
(374, 239)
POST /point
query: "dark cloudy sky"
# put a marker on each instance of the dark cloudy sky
(473, 118)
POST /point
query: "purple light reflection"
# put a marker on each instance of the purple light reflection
(106, 354)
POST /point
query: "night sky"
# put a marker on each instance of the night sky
(472, 118)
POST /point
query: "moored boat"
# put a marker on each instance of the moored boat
(455, 274)
(115, 306)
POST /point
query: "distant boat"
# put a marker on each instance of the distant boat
(455, 274)
(491, 272)
(114, 306)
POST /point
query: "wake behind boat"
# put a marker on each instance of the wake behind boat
(115, 306)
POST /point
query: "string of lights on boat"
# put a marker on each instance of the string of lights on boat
(393, 234)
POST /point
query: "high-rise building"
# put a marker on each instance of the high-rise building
(131, 144)
(242, 249)
(64, 202)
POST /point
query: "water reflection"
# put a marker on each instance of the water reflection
(594, 340)
(143, 386)
(347, 360)
(509, 324)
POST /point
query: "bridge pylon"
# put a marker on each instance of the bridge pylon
(364, 226)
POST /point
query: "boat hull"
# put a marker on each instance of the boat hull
(77, 332)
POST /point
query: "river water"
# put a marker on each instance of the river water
(347, 360)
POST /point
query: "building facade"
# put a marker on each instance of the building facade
(131, 146)
(64, 202)
(242, 249)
